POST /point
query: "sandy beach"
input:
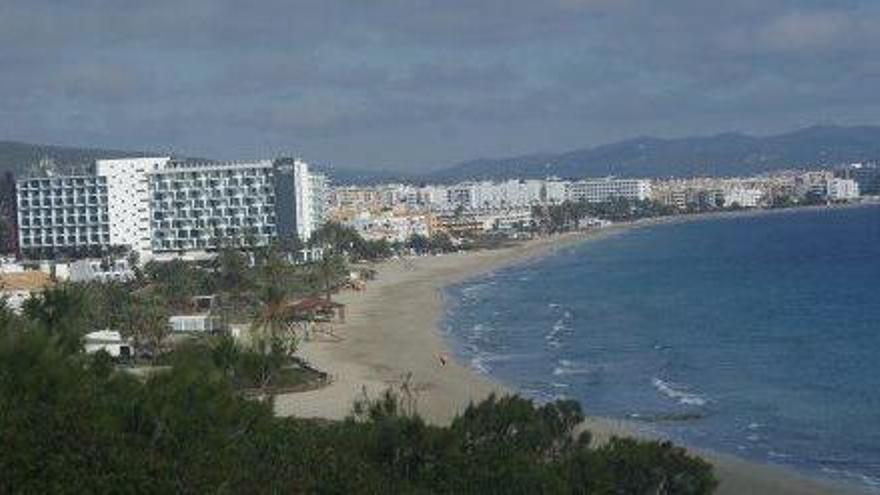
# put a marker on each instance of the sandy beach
(392, 332)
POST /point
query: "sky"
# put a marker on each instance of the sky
(416, 84)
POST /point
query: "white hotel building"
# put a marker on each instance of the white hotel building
(161, 205)
(601, 190)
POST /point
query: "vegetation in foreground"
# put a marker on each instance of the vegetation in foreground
(72, 423)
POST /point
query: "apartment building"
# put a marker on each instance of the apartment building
(72, 212)
(161, 205)
(842, 189)
(601, 190)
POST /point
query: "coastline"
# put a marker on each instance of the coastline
(393, 330)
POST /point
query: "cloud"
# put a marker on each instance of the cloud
(397, 81)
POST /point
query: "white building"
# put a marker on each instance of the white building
(320, 185)
(602, 190)
(202, 323)
(161, 205)
(91, 269)
(128, 199)
(109, 341)
(553, 191)
(62, 212)
(842, 189)
(746, 198)
(389, 226)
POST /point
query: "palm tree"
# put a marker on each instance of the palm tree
(273, 325)
(329, 270)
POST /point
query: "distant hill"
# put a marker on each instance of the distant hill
(719, 155)
(350, 176)
(18, 157)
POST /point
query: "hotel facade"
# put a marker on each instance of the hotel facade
(601, 190)
(162, 205)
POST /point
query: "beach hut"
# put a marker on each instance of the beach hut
(318, 309)
(109, 341)
(203, 323)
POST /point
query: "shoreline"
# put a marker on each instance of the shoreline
(393, 330)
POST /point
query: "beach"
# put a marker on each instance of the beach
(392, 335)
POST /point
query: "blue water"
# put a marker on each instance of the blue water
(756, 336)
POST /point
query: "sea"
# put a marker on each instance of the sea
(757, 336)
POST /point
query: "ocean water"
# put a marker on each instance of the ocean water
(757, 336)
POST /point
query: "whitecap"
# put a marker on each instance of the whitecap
(678, 393)
(479, 363)
(871, 481)
(567, 367)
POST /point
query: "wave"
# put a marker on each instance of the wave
(478, 363)
(678, 393)
(482, 361)
(872, 482)
(567, 367)
(665, 417)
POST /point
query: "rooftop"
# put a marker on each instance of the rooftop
(29, 280)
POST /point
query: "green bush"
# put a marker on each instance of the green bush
(71, 423)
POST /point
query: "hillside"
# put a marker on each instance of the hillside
(718, 155)
(17, 157)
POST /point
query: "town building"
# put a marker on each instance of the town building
(162, 205)
(17, 287)
(842, 189)
(390, 226)
(109, 341)
(602, 190)
(104, 270)
(69, 213)
(866, 175)
(742, 197)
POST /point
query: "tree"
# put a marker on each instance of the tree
(60, 312)
(231, 269)
(174, 281)
(441, 243)
(134, 264)
(418, 243)
(150, 326)
(329, 270)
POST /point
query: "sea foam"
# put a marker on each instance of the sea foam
(678, 393)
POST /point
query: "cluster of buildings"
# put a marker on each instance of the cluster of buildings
(162, 206)
(485, 195)
(396, 211)
(165, 207)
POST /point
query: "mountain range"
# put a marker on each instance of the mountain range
(728, 154)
